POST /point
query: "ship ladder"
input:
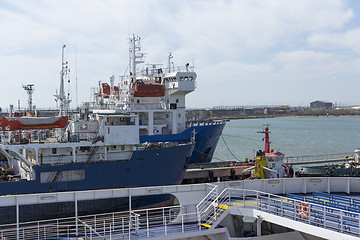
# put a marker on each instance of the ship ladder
(220, 209)
(92, 153)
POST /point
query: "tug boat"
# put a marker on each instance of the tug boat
(269, 163)
(349, 169)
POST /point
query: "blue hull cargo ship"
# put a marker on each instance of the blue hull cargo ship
(157, 95)
(51, 154)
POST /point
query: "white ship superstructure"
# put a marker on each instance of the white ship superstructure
(156, 94)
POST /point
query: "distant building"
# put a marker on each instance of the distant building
(321, 105)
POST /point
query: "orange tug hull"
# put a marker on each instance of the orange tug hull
(24, 123)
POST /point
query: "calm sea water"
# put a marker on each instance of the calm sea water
(292, 136)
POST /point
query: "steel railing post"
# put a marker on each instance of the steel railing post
(111, 231)
(324, 216)
(95, 223)
(182, 223)
(341, 220)
(243, 193)
(147, 223)
(123, 226)
(76, 215)
(57, 227)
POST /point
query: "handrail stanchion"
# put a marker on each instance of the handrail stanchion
(341, 220)
(243, 193)
(324, 211)
(122, 223)
(182, 224)
(359, 224)
(147, 223)
(199, 220)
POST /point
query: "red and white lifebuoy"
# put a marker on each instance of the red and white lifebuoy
(101, 157)
(304, 210)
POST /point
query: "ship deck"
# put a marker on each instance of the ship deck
(206, 209)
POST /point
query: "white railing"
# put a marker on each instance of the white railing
(319, 158)
(312, 212)
(207, 206)
(159, 222)
(142, 224)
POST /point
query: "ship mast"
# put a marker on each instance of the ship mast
(135, 56)
(29, 88)
(61, 97)
(267, 141)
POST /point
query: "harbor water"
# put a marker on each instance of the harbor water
(294, 136)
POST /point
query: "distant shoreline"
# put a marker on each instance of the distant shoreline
(281, 116)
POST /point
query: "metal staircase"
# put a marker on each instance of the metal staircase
(212, 208)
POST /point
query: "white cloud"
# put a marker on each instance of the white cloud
(348, 40)
(249, 43)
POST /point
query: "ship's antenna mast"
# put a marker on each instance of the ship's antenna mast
(61, 97)
(29, 88)
(267, 140)
(135, 56)
(169, 61)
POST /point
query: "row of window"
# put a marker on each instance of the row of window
(87, 149)
(173, 79)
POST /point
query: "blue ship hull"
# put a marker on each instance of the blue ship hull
(207, 137)
(151, 167)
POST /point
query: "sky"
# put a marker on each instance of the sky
(245, 52)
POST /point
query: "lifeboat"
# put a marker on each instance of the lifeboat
(106, 90)
(148, 89)
(17, 123)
